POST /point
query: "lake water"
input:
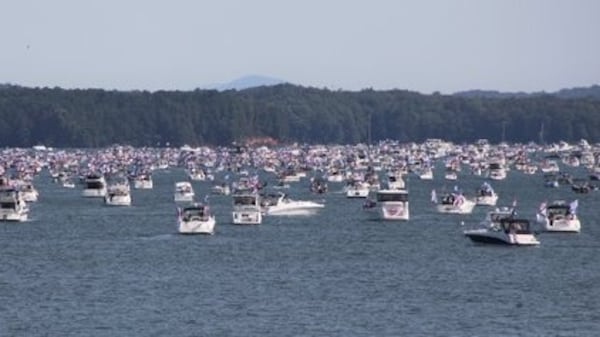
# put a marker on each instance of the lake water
(79, 268)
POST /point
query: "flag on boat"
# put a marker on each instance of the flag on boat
(459, 199)
(514, 203)
(178, 212)
(542, 208)
(433, 197)
(573, 206)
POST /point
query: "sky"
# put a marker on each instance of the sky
(421, 45)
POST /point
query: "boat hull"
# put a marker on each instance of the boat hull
(118, 200)
(197, 226)
(501, 238)
(247, 217)
(14, 217)
(464, 208)
(93, 193)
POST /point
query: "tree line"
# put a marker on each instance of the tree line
(94, 117)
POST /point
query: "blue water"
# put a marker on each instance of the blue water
(79, 268)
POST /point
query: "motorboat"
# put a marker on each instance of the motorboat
(530, 169)
(118, 195)
(283, 205)
(12, 205)
(395, 181)
(94, 186)
(357, 189)
(501, 227)
(549, 166)
(450, 175)
(196, 174)
(426, 173)
(28, 192)
(143, 182)
(392, 205)
(497, 171)
(559, 216)
(195, 219)
(221, 189)
(183, 192)
(455, 203)
(335, 176)
(486, 196)
(246, 209)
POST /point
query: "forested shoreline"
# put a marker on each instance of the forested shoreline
(288, 113)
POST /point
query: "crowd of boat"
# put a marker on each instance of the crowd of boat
(258, 179)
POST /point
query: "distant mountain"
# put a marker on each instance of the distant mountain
(580, 92)
(246, 82)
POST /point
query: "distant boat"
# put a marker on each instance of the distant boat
(500, 227)
(196, 219)
(455, 203)
(183, 192)
(13, 207)
(94, 186)
(118, 195)
(559, 216)
(392, 205)
(283, 205)
(486, 195)
(246, 209)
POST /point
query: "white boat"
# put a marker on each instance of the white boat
(196, 219)
(143, 182)
(12, 205)
(183, 192)
(28, 192)
(395, 181)
(246, 209)
(335, 176)
(501, 227)
(358, 189)
(450, 175)
(283, 205)
(393, 205)
(118, 195)
(94, 186)
(455, 203)
(222, 189)
(67, 183)
(426, 173)
(497, 171)
(486, 196)
(549, 166)
(530, 169)
(559, 216)
(196, 174)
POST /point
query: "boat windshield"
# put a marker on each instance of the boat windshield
(383, 197)
(244, 200)
(518, 226)
(558, 210)
(190, 213)
(94, 185)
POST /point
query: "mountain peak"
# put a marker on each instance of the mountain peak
(245, 82)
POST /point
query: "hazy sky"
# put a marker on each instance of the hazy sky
(426, 46)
